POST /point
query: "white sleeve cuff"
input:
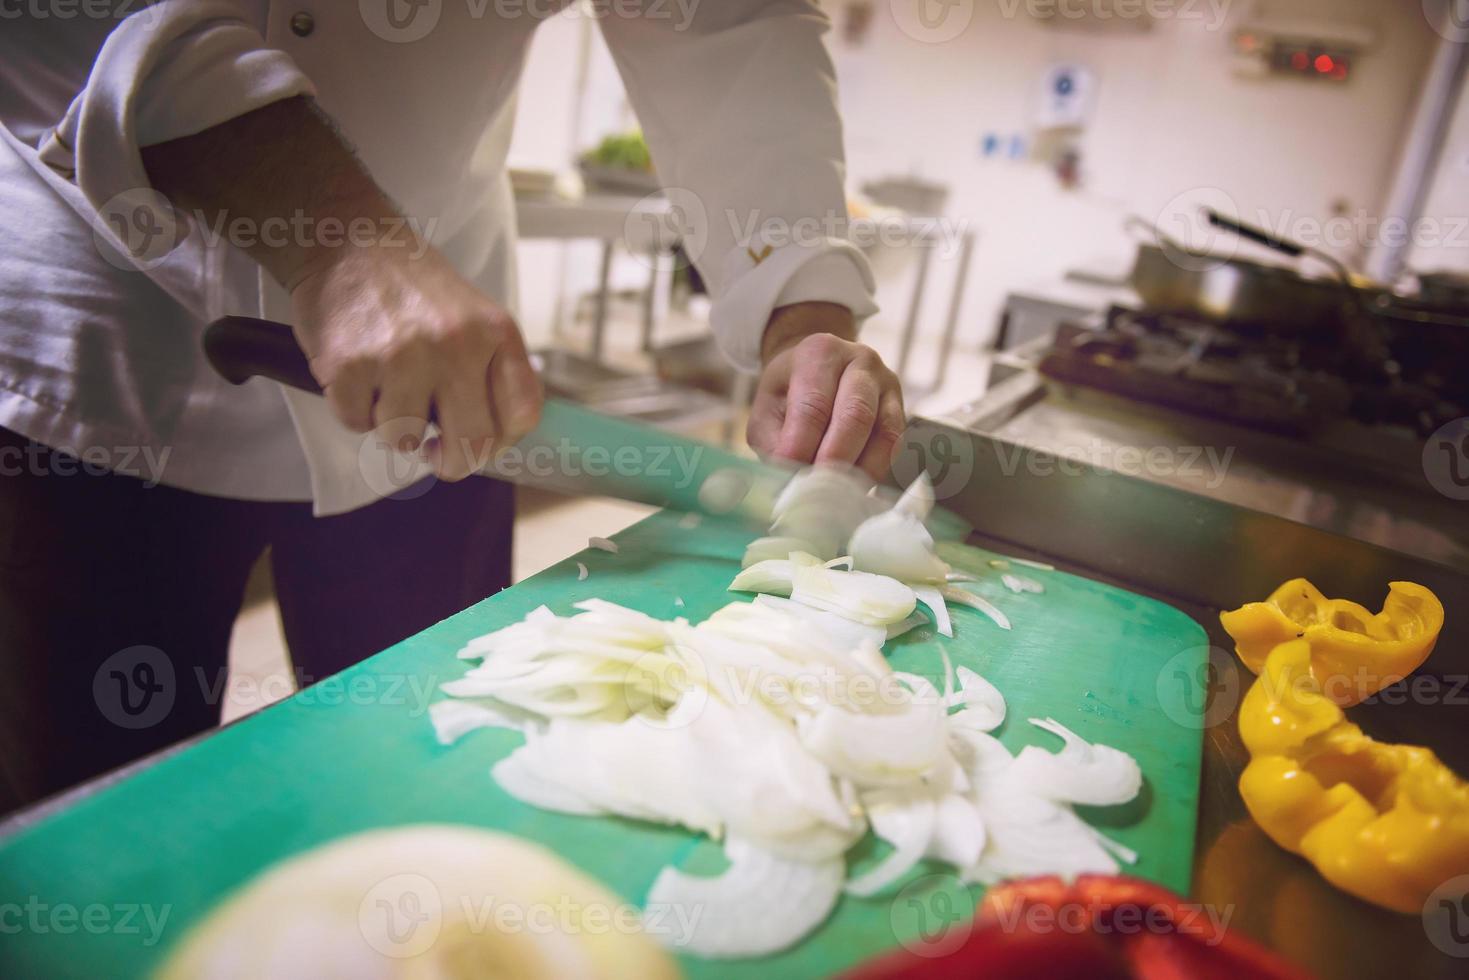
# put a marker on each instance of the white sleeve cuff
(831, 271)
(168, 71)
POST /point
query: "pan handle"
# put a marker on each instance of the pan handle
(1283, 245)
(1258, 235)
(243, 347)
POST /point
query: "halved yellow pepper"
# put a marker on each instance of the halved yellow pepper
(1354, 653)
(1387, 823)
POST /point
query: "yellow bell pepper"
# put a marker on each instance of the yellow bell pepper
(1387, 823)
(1354, 653)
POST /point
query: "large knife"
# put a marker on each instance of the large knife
(573, 450)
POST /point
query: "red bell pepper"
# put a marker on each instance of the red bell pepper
(1112, 928)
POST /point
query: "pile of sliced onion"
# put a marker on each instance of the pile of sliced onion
(778, 727)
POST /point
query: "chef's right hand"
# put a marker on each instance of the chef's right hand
(396, 337)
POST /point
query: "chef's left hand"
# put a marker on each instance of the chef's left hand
(822, 396)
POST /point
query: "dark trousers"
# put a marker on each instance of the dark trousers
(117, 600)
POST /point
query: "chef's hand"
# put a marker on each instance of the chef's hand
(823, 397)
(392, 331)
(395, 333)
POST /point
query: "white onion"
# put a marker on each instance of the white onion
(911, 623)
(895, 543)
(1020, 584)
(966, 598)
(745, 727)
(843, 632)
(823, 505)
(934, 600)
(907, 823)
(455, 718)
(1081, 772)
(760, 905)
(774, 549)
(860, 596)
(982, 705)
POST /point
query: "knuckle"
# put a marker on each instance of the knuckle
(858, 411)
(823, 344)
(811, 408)
(502, 326)
(406, 355)
(526, 416)
(887, 435)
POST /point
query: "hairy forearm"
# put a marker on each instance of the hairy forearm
(285, 165)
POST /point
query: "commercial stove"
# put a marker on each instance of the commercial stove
(1331, 430)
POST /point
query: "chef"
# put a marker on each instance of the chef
(341, 166)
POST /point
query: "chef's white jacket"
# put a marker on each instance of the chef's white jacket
(99, 347)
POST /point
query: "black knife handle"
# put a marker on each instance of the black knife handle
(243, 347)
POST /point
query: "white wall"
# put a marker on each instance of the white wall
(1173, 125)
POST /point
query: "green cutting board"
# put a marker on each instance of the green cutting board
(358, 752)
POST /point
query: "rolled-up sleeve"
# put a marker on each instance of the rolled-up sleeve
(169, 70)
(737, 100)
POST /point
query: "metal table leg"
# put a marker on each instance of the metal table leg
(956, 300)
(910, 329)
(599, 316)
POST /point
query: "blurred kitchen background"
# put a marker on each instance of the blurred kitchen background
(1042, 174)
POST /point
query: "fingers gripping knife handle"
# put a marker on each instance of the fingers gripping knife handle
(569, 451)
(242, 347)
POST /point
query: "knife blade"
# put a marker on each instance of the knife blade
(573, 450)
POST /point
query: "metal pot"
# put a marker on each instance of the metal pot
(1172, 278)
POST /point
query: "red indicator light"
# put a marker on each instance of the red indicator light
(1325, 63)
(1300, 61)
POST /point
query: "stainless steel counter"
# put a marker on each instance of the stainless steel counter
(1202, 554)
(1360, 483)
